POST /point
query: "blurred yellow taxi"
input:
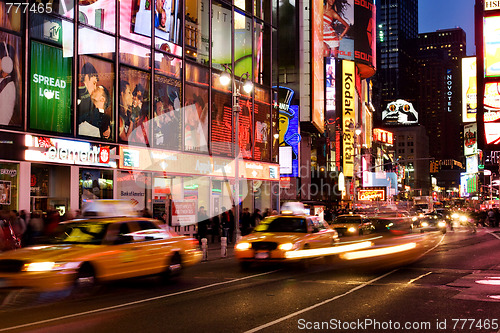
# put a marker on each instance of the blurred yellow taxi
(85, 252)
(285, 237)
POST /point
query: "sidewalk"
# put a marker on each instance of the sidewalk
(214, 250)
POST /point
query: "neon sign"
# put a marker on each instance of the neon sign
(371, 195)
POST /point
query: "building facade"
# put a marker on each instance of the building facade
(122, 100)
(397, 27)
(440, 56)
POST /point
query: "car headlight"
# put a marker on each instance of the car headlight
(243, 246)
(454, 216)
(39, 266)
(414, 218)
(47, 266)
(425, 224)
(441, 224)
(285, 246)
(351, 229)
(463, 218)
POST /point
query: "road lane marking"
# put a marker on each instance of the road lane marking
(440, 241)
(114, 307)
(274, 322)
(421, 276)
(493, 234)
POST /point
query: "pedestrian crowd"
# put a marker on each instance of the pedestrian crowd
(222, 225)
(20, 229)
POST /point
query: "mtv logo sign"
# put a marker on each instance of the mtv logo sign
(52, 30)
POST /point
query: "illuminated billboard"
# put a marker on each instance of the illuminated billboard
(338, 21)
(469, 89)
(383, 136)
(364, 36)
(470, 139)
(374, 194)
(349, 33)
(317, 67)
(491, 35)
(289, 136)
(400, 112)
(348, 116)
(472, 165)
(491, 4)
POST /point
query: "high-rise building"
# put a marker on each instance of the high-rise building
(439, 90)
(397, 26)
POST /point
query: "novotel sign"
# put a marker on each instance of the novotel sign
(46, 149)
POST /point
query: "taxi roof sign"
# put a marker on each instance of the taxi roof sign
(295, 208)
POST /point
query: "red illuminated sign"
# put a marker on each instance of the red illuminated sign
(383, 136)
(371, 195)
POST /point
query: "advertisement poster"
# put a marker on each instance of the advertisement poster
(221, 36)
(196, 119)
(348, 116)
(364, 35)
(167, 19)
(289, 136)
(11, 82)
(470, 139)
(132, 186)
(183, 212)
(330, 109)
(222, 125)
(134, 110)
(95, 98)
(317, 68)
(245, 128)
(400, 112)
(338, 38)
(50, 89)
(262, 126)
(167, 113)
(5, 188)
(491, 35)
(99, 14)
(8, 185)
(469, 89)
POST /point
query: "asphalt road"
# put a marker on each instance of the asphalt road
(451, 284)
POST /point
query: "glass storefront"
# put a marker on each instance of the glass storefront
(50, 189)
(9, 173)
(96, 184)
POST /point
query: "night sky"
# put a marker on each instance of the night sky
(444, 14)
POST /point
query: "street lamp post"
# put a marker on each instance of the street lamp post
(247, 85)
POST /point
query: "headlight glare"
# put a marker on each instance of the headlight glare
(39, 266)
(351, 229)
(243, 246)
(285, 246)
(441, 224)
(425, 224)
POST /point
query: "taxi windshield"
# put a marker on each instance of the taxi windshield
(79, 233)
(282, 224)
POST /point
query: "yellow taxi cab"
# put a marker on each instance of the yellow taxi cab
(352, 225)
(285, 237)
(84, 252)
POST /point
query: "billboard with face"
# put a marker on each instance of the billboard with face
(400, 112)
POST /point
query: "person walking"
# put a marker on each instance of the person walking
(202, 223)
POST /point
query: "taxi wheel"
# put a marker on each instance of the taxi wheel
(85, 282)
(174, 267)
